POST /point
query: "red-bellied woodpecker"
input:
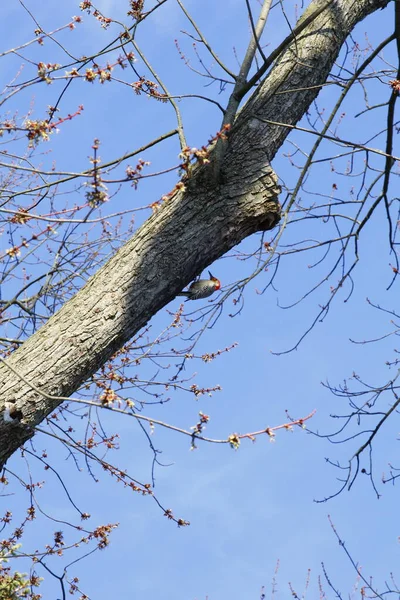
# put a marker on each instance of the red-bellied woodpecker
(202, 288)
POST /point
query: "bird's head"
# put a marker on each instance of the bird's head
(216, 281)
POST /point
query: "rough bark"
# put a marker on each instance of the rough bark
(176, 243)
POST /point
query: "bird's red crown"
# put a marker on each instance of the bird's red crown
(216, 281)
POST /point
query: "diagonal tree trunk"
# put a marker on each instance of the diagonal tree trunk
(190, 231)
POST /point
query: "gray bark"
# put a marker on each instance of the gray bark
(176, 243)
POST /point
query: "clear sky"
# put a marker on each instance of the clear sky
(253, 507)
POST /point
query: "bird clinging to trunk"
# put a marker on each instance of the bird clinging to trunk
(202, 288)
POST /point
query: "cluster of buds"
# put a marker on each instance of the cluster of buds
(7, 125)
(96, 196)
(136, 9)
(201, 391)
(21, 217)
(395, 85)
(38, 131)
(108, 397)
(198, 429)
(220, 135)
(148, 87)
(234, 441)
(101, 73)
(134, 174)
(91, 10)
(98, 193)
(209, 356)
(44, 70)
(86, 5)
(101, 534)
(179, 187)
(15, 251)
(200, 425)
(189, 154)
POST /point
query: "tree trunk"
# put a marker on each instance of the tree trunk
(178, 241)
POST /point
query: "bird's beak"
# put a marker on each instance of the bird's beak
(211, 276)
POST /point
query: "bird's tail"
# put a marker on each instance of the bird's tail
(183, 294)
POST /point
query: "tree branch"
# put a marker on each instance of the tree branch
(197, 225)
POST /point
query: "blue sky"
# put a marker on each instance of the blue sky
(253, 507)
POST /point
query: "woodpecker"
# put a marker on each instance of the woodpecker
(202, 288)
